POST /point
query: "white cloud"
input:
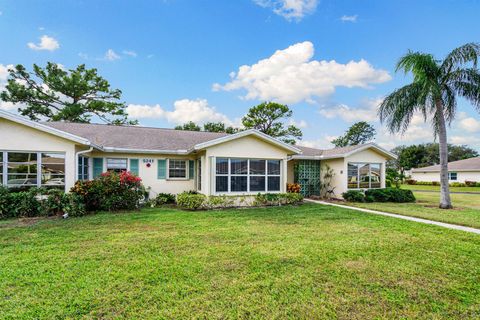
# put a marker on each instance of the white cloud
(366, 112)
(470, 140)
(9, 106)
(110, 55)
(346, 18)
(4, 72)
(46, 43)
(291, 76)
(129, 53)
(83, 55)
(290, 9)
(299, 124)
(184, 110)
(470, 124)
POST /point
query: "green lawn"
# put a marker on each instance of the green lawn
(466, 210)
(306, 262)
(437, 188)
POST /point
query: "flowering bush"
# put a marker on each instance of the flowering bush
(110, 192)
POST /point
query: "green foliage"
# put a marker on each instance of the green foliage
(354, 196)
(110, 192)
(393, 178)
(164, 198)
(74, 205)
(214, 202)
(427, 154)
(269, 118)
(390, 195)
(64, 95)
(218, 127)
(358, 133)
(277, 199)
(189, 126)
(4, 202)
(191, 201)
(54, 203)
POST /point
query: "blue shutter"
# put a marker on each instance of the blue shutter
(162, 169)
(134, 166)
(191, 169)
(97, 167)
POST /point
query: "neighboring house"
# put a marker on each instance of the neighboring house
(56, 154)
(458, 171)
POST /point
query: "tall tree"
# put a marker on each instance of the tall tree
(188, 126)
(218, 127)
(433, 93)
(358, 133)
(269, 118)
(55, 94)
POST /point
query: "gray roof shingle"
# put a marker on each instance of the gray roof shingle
(136, 137)
(472, 164)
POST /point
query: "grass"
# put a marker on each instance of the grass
(466, 210)
(311, 261)
(437, 188)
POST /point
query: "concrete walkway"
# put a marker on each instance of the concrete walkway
(399, 216)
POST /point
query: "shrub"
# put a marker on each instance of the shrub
(164, 198)
(471, 183)
(354, 196)
(24, 203)
(219, 202)
(53, 202)
(4, 202)
(191, 201)
(277, 199)
(111, 192)
(74, 205)
(390, 195)
(435, 183)
(293, 187)
(458, 184)
(291, 198)
(411, 181)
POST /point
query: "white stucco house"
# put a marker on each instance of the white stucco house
(56, 154)
(458, 171)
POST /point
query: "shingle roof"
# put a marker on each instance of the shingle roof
(329, 152)
(135, 137)
(472, 164)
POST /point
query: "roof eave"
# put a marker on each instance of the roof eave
(152, 151)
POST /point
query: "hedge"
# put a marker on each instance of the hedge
(380, 195)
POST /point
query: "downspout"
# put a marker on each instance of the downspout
(77, 154)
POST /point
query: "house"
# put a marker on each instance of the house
(56, 154)
(458, 171)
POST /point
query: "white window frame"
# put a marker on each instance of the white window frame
(369, 174)
(229, 175)
(113, 158)
(450, 176)
(186, 169)
(38, 183)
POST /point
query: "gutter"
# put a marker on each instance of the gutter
(127, 150)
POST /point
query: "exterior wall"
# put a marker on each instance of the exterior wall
(17, 137)
(149, 175)
(245, 147)
(462, 176)
(339, 180)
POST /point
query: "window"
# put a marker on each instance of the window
(53, 170)
(177, 169)
(452, 176)
(82, 168)
(247, 175)
(22, 169)
(116, 164)
(364, 175)
(32, 169)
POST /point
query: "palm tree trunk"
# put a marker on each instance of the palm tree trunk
(445, 202)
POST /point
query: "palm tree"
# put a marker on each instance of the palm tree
(433, 93)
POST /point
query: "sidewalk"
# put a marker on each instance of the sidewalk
(399, 216)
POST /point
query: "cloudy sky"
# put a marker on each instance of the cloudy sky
(180, 60)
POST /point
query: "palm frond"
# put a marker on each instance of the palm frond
(466, 83)
(423, 66)
(469, 52)
(398, 108)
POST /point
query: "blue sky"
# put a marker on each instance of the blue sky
(330, 61)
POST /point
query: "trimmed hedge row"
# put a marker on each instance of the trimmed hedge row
(437, 183)
(380, 195)
(196, 201)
